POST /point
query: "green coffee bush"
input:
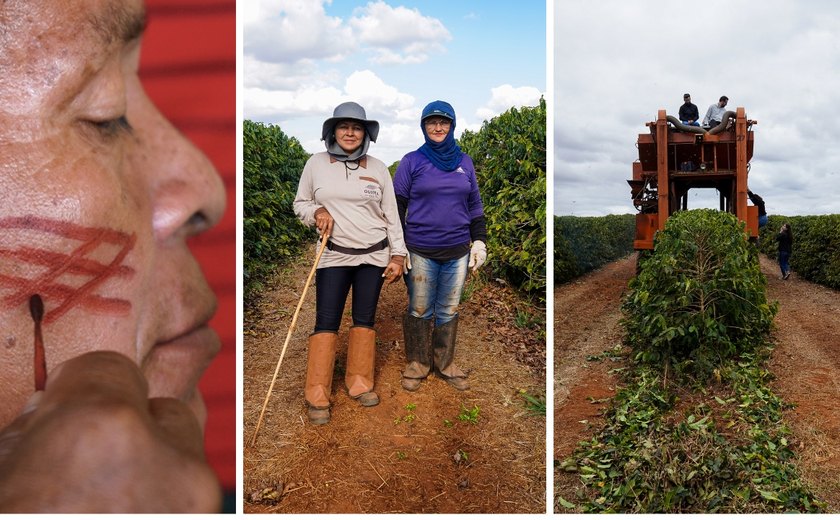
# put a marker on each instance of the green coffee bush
(582, 244)
(700, 297)
(272, 234)
(510, 162)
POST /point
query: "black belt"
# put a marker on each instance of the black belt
(379, 246)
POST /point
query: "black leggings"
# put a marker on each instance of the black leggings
(331, 287)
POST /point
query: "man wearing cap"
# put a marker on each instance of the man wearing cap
(689, 115)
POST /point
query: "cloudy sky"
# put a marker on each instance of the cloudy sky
(617, 62)
(304, 57)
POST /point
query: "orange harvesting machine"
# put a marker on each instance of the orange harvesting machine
(675, 158)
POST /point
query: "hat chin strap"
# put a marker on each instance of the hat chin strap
(340, 155)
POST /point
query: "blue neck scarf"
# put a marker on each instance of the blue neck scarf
(445, 155)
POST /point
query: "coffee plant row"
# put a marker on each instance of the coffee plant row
(510, 161)
(695, 427)
(583, 244)
(816, 246)
(272, 234)
(700, 297)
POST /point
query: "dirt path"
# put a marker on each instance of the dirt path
(806, 362)
(586, 314)
(410, 454)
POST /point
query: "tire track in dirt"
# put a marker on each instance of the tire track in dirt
(586, 316)
(806, 362)
(409, 454)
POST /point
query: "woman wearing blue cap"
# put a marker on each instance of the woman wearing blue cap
(445, 232)
(348, 195)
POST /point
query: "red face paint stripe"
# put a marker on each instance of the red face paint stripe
(92, 302)
(80, 266)
(64, 229)
(75, 263)
(91, 285)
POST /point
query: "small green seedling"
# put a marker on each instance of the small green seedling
(409, 416)
(470, 416)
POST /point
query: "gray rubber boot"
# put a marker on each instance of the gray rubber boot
(417, 333)
(443, 346)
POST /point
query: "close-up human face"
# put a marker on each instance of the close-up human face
(349, 135)
(437, 128)
(100, 193)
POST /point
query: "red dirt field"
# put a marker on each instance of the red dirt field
(806, 362)
(411, 453)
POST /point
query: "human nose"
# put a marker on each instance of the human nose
(187, 193)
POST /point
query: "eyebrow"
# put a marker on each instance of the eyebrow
(119, 23)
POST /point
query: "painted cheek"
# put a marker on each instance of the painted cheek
(68, 265)
(83, 279)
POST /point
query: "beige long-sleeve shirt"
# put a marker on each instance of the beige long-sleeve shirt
(361, 202)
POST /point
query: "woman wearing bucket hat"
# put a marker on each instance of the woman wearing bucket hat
(445, 231)
(348, 195)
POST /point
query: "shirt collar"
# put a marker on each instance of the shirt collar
(362, 162)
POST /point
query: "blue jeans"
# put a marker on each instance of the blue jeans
(435, 287)
(784, 261)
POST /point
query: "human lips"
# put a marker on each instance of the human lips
(174, 366)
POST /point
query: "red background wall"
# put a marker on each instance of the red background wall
(188, 66)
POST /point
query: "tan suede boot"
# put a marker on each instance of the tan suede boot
(361, 359)
(320, 363)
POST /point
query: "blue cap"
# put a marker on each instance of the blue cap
(439, 108)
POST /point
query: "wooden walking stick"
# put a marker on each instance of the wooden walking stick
(289, 335)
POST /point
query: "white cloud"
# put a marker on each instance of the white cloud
(503, 97)
(782, 74)
(300, 110)
(276, 105)
(367, 89)
(287, 31)
(398, 35)
(282, 76)
(316, 95)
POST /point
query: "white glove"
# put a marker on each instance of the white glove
(478, 254)
(407, 263)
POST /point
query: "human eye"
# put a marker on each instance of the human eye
(112, 128)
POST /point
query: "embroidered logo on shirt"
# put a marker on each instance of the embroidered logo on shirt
(459, 170)
(370, 189)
